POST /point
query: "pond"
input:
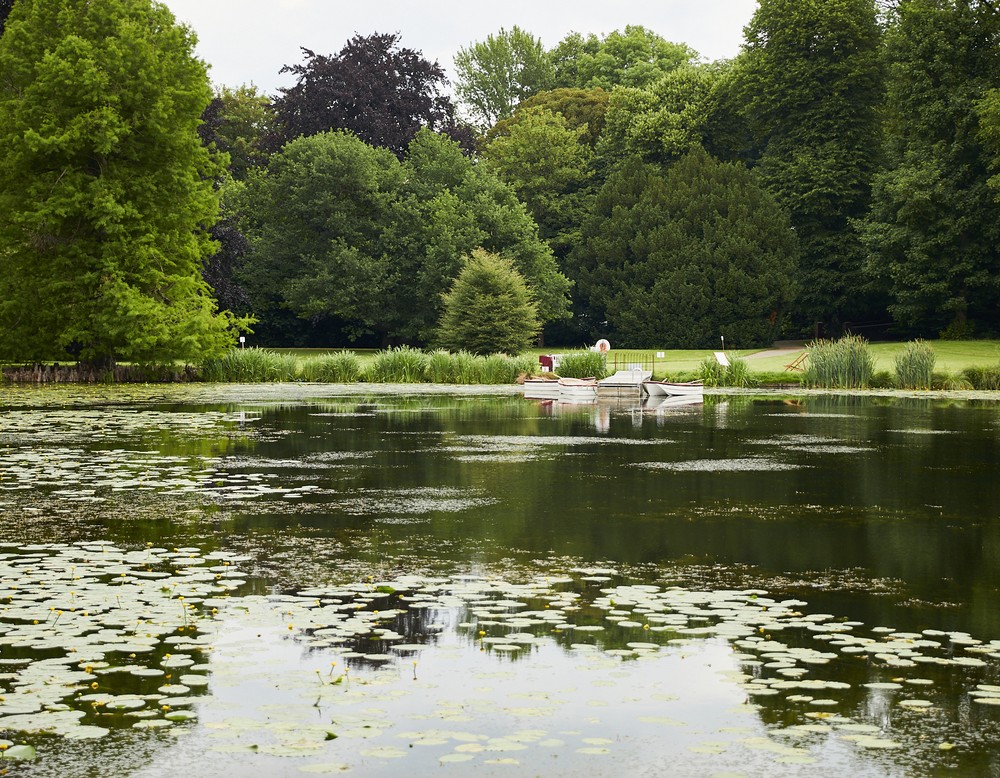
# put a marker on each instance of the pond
(296, 580)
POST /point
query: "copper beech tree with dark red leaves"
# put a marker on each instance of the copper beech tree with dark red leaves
(374, 88)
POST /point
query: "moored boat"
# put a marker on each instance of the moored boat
(577, 389)
(674, 389)
(541, 388)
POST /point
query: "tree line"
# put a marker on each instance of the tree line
(840, 173)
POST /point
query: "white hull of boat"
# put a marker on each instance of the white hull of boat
(669, 389)
(577, 389)
(541, 389)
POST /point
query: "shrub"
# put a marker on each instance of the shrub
(842, 364)
(915, 366)
(883, 379)
(249, 366)
(982, 377)
(489, 309)
(583, 364)
(950, 382)
(403, 365)
(343, 367)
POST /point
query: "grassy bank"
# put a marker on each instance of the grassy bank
(957, 365)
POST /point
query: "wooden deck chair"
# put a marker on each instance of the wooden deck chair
(797, 363)
(721, 358)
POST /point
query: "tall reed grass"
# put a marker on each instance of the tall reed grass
(915, 366)
(736, 374)
(583, 364)
(250, 366)
(504, 369)
(342, 367)
(839, 364)
(465, 368)
(402, 365)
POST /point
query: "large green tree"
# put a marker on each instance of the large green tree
(240, 122)
(934, 228)
(548, 164)
(811, 83)
(496, 74)
(107, 192)
(632, 57)
(346, 231)
(679, 258)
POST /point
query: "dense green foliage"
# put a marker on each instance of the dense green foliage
(633, 57)
(107, 191)
(249, 366)
(685, 256)
(736, 373)
(346, 231)
(489, 309)
(239, 122)
(395, 365)
(811, 86)
(934, 227)
(547, 162)
(841, 173)
(342, 367)
(465, 368)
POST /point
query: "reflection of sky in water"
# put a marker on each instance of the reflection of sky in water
(551, 709)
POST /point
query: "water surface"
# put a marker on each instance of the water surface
(431, 582)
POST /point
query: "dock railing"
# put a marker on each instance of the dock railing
(627, 359)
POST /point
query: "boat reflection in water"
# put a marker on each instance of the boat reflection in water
(603, 407)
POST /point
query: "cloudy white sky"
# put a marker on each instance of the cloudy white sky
(247, 41)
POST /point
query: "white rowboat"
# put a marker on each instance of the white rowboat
(670, 389)
(577, 389)
(541, 388)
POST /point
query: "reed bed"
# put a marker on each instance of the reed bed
(343, 367)
(915, 366)
(839, 364)
(250, 366)
(402, 365)
(737, 374)
(463, 367)
(504, 369)
(583, 364)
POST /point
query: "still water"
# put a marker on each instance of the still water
(306, 580)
